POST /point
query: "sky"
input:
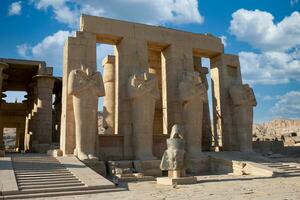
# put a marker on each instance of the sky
(264, 33)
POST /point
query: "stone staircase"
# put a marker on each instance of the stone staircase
(45, 176)
(284, 169)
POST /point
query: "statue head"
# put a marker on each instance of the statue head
(177, 132)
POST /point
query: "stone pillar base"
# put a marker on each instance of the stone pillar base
(96, 165)
(176, 181)
(148, 167)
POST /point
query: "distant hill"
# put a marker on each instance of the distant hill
(275, 129)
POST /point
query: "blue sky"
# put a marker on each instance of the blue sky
(264, 33)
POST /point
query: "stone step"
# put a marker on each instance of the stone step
(43, 175)
(49, 177)
(49, 182)
(42, 172)
(60, 185)
(62, 193)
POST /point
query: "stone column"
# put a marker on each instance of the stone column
(131, 55)
(225, 72)
(109, 98)
(44, 112)
(175, 60)
(206, 122)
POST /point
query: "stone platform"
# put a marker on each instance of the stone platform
(178, 181)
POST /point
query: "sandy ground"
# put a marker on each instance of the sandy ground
(213, 187)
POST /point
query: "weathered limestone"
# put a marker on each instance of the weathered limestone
(85, 87)
(243, 99)
(109, 99)
(175, 160)
(192, 93)
(143, 91)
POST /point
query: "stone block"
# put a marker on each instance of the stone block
(55, 152)
(97, 166)
(199, 166)
(148, 167)
(179, 181)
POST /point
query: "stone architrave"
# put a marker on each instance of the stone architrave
(192, 94)
(85, 87)
(143, 92)
(243, 100)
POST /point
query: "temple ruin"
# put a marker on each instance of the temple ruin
(37, 118)
(154, 80)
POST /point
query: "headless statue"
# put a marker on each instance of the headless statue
(143, 92)
(192, 94)
(85, 87)
(243, 100)
(175, 159)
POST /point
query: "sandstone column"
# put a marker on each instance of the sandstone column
(225, 72)
(44, 112)
(131, 55)
(143, 91)
(109, 98)
(192, 93)
(78, 51)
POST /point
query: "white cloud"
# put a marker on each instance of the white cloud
(270, 67)
(151, 12)
(23, 49)
(259, 30)
(224, 40)
(15, 8)
(288, 105)
(50, 49)
(268, 98)
(293, 2)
